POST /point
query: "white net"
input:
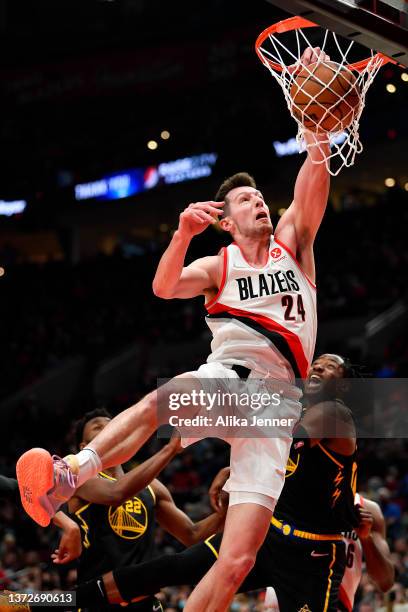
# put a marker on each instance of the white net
(325, 97)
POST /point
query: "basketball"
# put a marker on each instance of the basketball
(325, 97)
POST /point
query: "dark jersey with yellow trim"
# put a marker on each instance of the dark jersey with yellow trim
(115, 536)
(319, 490)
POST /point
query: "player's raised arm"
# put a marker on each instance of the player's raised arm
(299, 225)
(376, 550)
(172, 279)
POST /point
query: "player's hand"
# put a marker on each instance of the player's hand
(218, 497)
(175, 442)
(197, 217)
(310, 55)
(366, 521)
(70, 546)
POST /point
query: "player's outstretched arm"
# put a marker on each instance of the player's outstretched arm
(176, 522)
(298, 226)
(109, 492)
(172, 279)
(377, 554)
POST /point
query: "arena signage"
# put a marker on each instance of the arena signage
(291, 146)
(131, 182)
(15, 207)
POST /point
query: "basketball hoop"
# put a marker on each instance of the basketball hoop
(274, 47)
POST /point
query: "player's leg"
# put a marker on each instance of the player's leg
(255, 483)
(128, 583)
(46, 483)
(187, 567)
(245, 529)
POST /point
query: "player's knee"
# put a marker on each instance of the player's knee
(235, 568)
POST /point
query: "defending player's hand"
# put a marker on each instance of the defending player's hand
(197, 217)
(175, 442)
(218, 497)
(70, 546)
(365, 524)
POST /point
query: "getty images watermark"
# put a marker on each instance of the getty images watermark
(208, 402)
(226, 408)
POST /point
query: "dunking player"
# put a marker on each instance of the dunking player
(261, 300)
(303, 555)
(116, 513)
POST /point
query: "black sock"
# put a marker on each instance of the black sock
(91, 593)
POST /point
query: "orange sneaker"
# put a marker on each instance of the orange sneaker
(45, 483)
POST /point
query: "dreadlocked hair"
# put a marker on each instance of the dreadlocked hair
(354, 370)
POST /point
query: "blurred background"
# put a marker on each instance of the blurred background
(116, 114)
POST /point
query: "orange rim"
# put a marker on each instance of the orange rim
(297, 23)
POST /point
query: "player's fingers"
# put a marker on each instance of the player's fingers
(307, 55)
(211, 209)
(316, 53)
(208, 206)
(196, 217)
(213, 501)
(205, 216)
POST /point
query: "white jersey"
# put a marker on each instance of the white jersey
(264, 318)
(354, 565)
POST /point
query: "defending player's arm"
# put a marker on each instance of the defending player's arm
(298, 227)
(218, 497)
(330, 421)
(110, 492)
(375, 548)
(172, 278)
(70, 546)
(176, 522)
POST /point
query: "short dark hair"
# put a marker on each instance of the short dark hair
(241, 179)
(88, 416)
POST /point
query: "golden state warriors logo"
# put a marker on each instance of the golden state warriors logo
(292, 466)
(305, 609)
(129, 521)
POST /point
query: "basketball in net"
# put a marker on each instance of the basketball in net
(325, 97)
